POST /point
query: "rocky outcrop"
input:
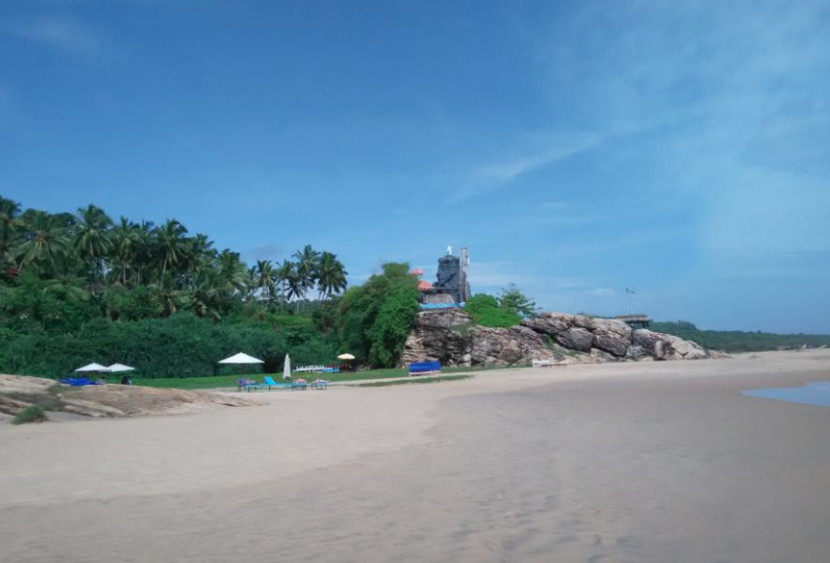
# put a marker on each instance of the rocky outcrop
(500, 346)
(450, 337)
(19, 392)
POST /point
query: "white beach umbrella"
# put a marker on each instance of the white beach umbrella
(241, 358)
(286, 370)
(345, 357)
(92, 368)
(119, 368)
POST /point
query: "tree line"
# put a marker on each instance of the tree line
(157, 269)
(736, 341)
(81, 287)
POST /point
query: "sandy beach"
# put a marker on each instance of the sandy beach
(646, 462)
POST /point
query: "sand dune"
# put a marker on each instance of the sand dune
(615, 462)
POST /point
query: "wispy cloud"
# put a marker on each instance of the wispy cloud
(491, 177)
(62, 32)
(740, 89)
(510, 170)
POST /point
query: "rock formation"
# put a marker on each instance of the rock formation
(18, 392)
(451, 337)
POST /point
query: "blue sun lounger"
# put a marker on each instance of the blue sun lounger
(243, 384)
(269, 381)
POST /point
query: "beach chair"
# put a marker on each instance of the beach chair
(299, 385)
(320, 384)
(269, 381)
(243, 384)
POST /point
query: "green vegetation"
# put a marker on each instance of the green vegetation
(32, 413)
(511, 298)
(216, 381)
(415, 380)
(738, 341)
(503, 311)
(375, 318)
(76, 288)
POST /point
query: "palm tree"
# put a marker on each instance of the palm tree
(172, 245)
(294, 285)
(44, 243)
(125, 239)
(144, 251)
(93, 239)
(9, 223)
(232, 272)
(331, 275)
(308, 261)
(264, 278)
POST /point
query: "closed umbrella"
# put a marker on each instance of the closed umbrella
(286, 370)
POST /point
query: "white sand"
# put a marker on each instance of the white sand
(614, 462)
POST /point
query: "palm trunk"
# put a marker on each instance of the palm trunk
(163, 271)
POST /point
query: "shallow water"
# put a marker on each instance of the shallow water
(816, 393)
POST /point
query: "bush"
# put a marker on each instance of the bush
(391, 327)
(32, 413)
(487, 311)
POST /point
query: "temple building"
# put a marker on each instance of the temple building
(451, 288)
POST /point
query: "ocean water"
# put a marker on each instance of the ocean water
(816, 393)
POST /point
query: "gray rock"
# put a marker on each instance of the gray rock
(645, 339)
(603, 357)
(578, 339)
(442, 336)
(550, 323)
(617, 346)
(507, 346)
(663, 350)
(636, 352)
(450, 337)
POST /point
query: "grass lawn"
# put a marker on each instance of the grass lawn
(215, 381)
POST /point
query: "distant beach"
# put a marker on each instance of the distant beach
(646, 462)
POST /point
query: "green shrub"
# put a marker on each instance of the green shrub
(487, 311)
(32, 413)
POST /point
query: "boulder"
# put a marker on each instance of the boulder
(451, 337)
(602, 356)
(636, 352)
(611, 345)
(550, 323)
(440, 336)
(507, 346)
(645, 339)
(663, 350)
(578, 339)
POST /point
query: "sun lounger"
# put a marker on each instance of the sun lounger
(320, 384)
(299, 385)
(424, 368)
(243, 384)
(269, 381)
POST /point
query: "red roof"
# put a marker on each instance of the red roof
(424, 285)
(417, 272)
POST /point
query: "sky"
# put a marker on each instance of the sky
(577, 148)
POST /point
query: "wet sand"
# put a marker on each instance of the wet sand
(618, 462)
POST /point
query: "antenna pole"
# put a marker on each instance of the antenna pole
(630, 293)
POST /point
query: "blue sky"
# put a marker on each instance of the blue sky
(577, 148)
